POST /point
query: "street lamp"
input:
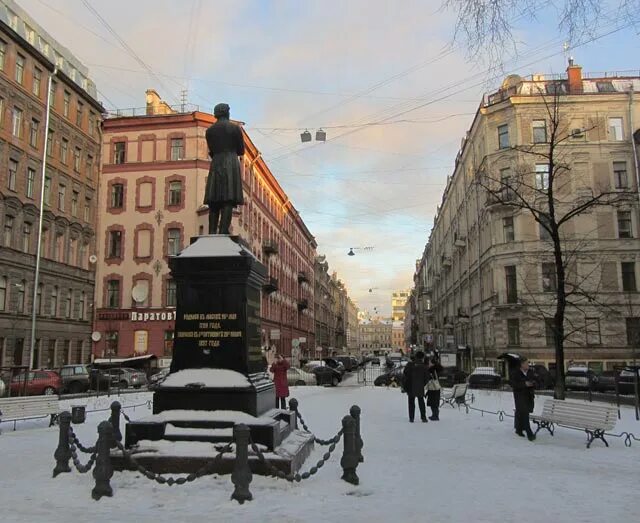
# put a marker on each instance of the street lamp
(351, 249)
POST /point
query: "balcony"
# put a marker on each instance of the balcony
(303, 304)
(460, 242)
(271, 286)
(270, 247)
(302, 277)
(446, 261)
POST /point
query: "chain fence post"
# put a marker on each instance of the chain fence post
(241, 475)
(103, 470)
(293, 405)
(63, 453)
(350, 456)
(355, 412)
(116, 409)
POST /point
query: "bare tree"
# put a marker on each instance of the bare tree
(542, 186)
(486, 27)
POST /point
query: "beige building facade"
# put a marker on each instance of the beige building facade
(398, 300)
(375, 336)
(484, 284)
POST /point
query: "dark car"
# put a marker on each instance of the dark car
(349, 362)
(580, 378)
(484, 378)
(626, 380)
(607, 381)
(544, 378)
(36, 382)
(449, 376)
(335, 364)
(75, 378)
(325, 375)
(392, 378)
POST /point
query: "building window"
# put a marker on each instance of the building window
(171, 293)
(3, 293)
(79, 114)
(633, 332)
(620, 175)
(87, 209)
(62, 192)
(50, 143)
(539, 131)
(31, 178)
(92, 123)
(111, 343)
(624, 224)
(33, 132)
(542, 176)
(12, 175)
(1, 112)
(26, 237)
(8, 231)
(67, 304)
(47, 190)
(64, 150)
(115, 244)
(22, 290)
(77, 155)
(507, 226)
(113, 293)
(16, 122)
(168, 342)
(615, 129)
(513, 331)
(177, 149)
(82, 254)
(37, 81)
(628, 276)
(173, 242)
(117, 196)
(592, 328)
(66, 104)
(82, 306)
(39, 300)
(503, 136)
(54, 301)
(89, 172)
(52, 93)
(119, 152)
(549, 332)
(512, 284)
(20, 61)
(175, 193)
(74, 203)
(3, 54)
(505, 183)
(549, 277)
(60, 248)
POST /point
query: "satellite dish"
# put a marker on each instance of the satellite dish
(93, 259)
(96, 336)
(139, 293)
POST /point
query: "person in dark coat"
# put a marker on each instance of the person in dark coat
(523, 385)
(415, 377)
(433, 391)
(279, 370)
(224, 182)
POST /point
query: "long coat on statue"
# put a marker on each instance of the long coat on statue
(279, 370)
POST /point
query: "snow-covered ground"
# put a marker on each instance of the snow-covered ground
(466, 467)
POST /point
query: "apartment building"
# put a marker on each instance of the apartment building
(375, 336)
(486, 283)
(64, 295)
(398, 300)
(155, 165)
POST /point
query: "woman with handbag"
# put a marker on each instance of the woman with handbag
(433, 389)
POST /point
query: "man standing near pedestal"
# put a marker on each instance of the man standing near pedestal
(224, 182)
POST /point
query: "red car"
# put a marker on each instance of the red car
(36, 382)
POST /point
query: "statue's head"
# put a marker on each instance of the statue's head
(221, 111)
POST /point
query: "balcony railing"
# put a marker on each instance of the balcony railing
(303, 304)
(270, 247)
(302, 277)
(271, 286)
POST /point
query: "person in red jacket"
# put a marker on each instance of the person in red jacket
(279, 370)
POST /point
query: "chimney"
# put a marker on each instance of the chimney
(574, 76)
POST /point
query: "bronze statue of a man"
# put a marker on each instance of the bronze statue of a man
(224, 182)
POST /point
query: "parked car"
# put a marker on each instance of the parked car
(324, 374)
(3, 388)
(394, 358)
(544, 379)
(158, 377)
(121, 378)
(350, 363)
(607, 381)
(626, 380)
(75, 378)
(36, 382)
(580, 378)
(296, 376)
(484, 378)
(335, 364)
(449, 376)
(392, 378)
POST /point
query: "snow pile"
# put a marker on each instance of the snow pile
(206, 378)
(232, 416)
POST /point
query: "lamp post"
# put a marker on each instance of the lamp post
(36, 279)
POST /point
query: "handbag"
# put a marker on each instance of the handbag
(433, 383)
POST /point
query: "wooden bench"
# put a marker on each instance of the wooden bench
(29, 407)
(594, 418)
(457, 396)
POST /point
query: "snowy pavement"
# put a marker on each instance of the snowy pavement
(466, 467)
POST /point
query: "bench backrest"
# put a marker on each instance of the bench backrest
(591, 416)
(28, 407)
(459, 389)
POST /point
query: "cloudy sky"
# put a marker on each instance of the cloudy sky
(385, 80)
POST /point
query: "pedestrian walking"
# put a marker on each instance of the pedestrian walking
(523, 385)
(433, 389)
(279, 370)
(415, 377)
